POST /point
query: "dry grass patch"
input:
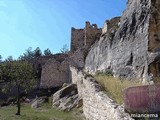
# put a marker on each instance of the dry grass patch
(114, 87)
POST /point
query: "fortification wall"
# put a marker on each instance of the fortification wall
(92, 33)
(96, 104)
(77, 39)
(55, 73)
(111, 25)
(84, 38)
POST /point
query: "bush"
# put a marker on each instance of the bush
(106, 73)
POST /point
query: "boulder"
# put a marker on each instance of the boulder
(37, 102)
(67, 98)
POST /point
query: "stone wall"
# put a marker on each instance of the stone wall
(85, 37)
(77, 39)
(92, 33)
(111, 25)
(55, 72)
(37, 64)
(96, 104)
(77, 58)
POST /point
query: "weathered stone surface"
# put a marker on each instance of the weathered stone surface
(55, 73)
(81, 38)
(77, 58)
(67, 98)
(37, 102)
(96, 104)
(131, 43)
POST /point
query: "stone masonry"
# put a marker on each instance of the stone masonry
(96, 104)
(84, 37)
(55, 72)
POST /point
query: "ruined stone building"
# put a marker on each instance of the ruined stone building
(84, 37)
(128, 46)
(54, 70)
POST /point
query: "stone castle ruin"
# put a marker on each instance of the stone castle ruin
(54, 70)
(84, 37)
(128, 46)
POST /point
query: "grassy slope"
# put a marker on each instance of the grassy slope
(115, 87)
(43, 113)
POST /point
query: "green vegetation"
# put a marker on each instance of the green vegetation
(19, 74)
(30, 54)
(45, 112)
(0, 58)
(47, 52)
(114, 87)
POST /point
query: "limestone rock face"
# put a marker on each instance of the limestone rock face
(129, 46)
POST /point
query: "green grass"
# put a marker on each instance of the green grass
(114, 87)
(46, 112)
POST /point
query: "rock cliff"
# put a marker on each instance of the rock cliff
(130, 47)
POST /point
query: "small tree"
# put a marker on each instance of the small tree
(47, 52)
(37, 52)
(27, 55)
(0, 58)
(9, 59)
(65, 49)
(21, 75)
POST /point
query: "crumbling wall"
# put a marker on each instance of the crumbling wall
(111, 25)
(92, 33)
(55, 72)
(77, 58)
(84, 38)
(96, 104)
(37, 64)
(77, 39)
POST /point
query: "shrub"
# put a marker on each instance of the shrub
(106, 73)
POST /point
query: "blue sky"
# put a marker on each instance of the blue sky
(47, 23)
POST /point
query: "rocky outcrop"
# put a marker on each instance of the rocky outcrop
(129, 45)
(96, 104)
(67, 98)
